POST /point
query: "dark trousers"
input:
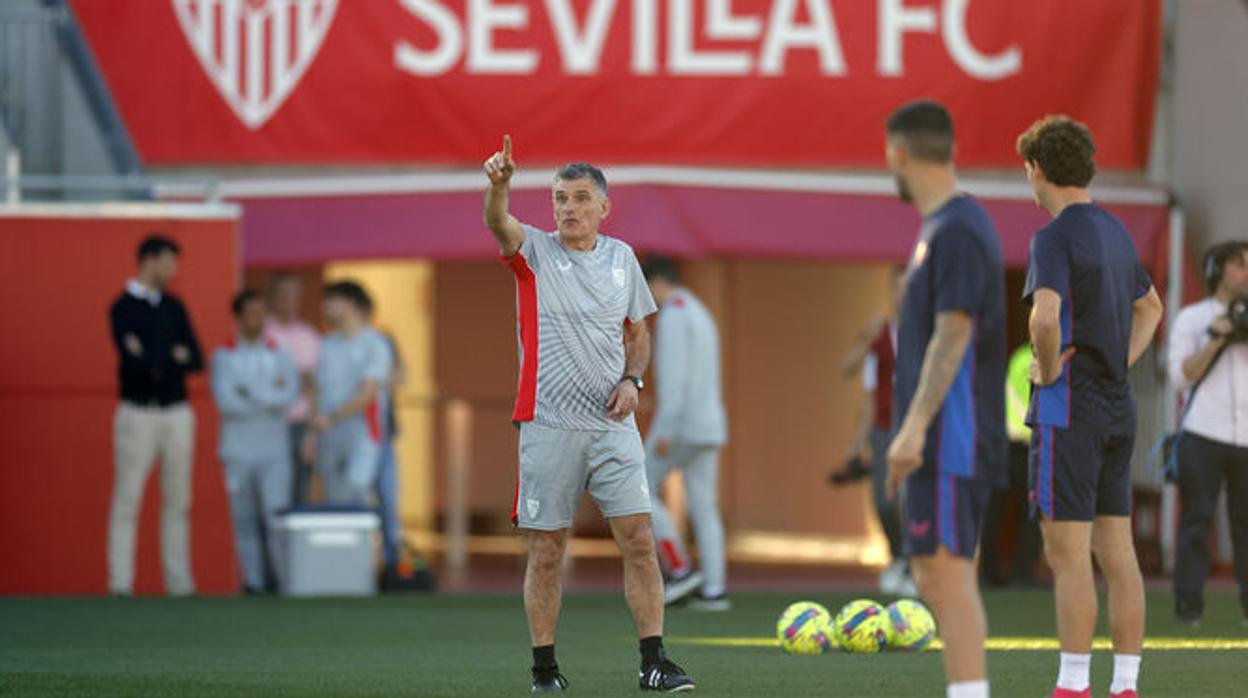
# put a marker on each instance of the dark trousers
(1027, 530)
(302, 479)
(1204, 465)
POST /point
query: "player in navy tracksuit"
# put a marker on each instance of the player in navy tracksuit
(950, 446)
(1093, 313)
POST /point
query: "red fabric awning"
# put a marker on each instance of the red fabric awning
(863, 222)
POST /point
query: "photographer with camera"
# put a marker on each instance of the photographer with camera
(1209, 359)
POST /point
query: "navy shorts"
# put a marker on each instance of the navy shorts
(1079, 473)
(944, 510)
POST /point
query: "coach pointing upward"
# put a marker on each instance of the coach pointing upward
(581, 305)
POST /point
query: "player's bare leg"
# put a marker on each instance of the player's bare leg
(543, 587)
(643, 590)
(949, 586)
(543, 595)
(643, 582)
(1115, 553)
(1068, 549)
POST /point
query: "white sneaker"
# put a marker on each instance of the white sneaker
(702, 602)
(907, 589)
(893, 578)
(678, 589)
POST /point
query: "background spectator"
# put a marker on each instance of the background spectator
(157, 348)
(689, 429)
(1204, 345)
(303, 342)
(1027, 531)
(254, 382)
(387, 485)
(345, 436)
(874, 356)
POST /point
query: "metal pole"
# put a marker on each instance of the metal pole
(1174, 302)
(459, 464)
(13, 171)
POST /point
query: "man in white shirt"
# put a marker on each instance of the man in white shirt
(1214, 448)
(688, 430)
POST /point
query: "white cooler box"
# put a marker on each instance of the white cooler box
(327, 553)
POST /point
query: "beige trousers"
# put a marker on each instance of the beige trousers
(141, 435)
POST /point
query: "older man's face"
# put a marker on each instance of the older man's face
(579, 208)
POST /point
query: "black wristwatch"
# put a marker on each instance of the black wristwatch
(637, 381)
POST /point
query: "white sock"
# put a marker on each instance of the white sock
(711, 591)
(1126, 672)
(1073, 673)
(968, 689)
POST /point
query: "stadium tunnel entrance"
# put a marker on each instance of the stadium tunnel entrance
(791, 264)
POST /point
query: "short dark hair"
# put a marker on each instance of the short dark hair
(155, 245)
(925, 129)
(661, 268)
(280, 277)
(1063, 149)
(583, 170)
(242, 298)
(350, 291)
(1216, 260)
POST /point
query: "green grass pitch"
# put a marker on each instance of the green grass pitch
(478, 646)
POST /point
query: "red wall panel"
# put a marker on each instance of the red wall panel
(58, 387)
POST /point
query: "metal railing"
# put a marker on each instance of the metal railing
(50, 86)
(27, 51)
(17, 186)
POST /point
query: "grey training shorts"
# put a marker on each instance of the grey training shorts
(556, 465)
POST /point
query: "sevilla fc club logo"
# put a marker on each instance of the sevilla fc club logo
(255, 51)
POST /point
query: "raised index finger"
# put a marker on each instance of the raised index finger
(507, 146)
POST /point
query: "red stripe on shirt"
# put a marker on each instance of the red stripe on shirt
(372, 417)
(526, 318)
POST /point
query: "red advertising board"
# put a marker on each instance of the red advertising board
(797, 83)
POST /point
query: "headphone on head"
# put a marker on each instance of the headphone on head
(1213, 269)
(1215, 262)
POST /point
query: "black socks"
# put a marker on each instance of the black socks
(651, 649)
(544, 657)
(651, 653)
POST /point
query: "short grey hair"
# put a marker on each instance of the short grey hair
(583, 170)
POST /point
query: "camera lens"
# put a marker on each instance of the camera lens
(1237, 312)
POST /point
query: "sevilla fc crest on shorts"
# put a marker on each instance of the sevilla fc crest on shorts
(255, 51)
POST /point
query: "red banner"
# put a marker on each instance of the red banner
(715, 82)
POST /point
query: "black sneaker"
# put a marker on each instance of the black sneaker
(1188, 613)
(665, 676)
(548, 680)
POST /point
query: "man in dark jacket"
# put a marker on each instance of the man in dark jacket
(157, 348)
